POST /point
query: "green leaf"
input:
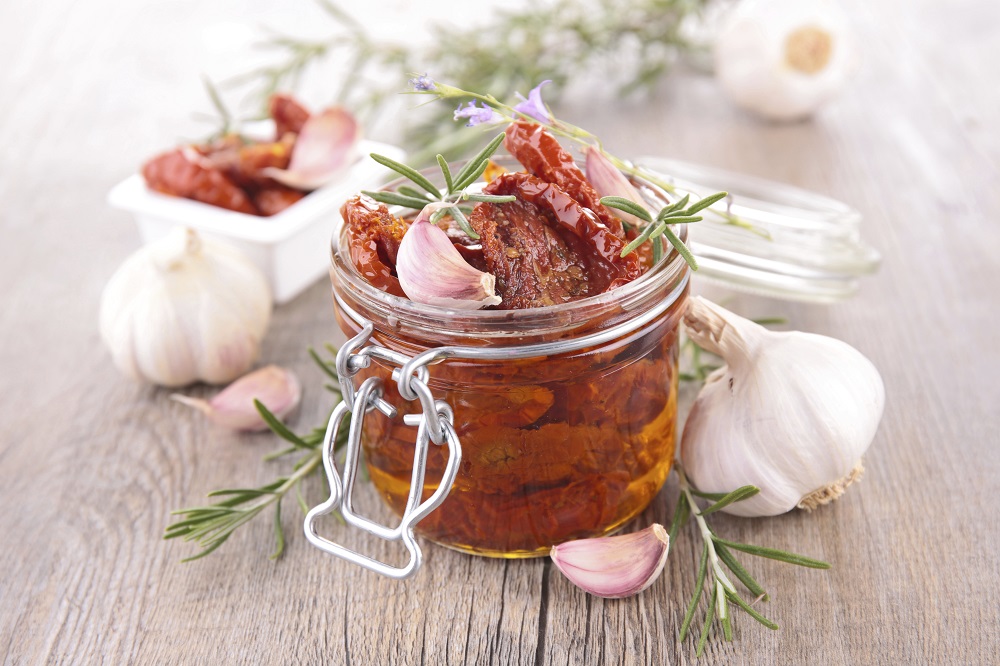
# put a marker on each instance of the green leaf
(446, 172)
(396, 199)
(737, 495)
(323, 365)
(279, 534)
(628, 206)
(699, 589)
(679, 219)
(463, 222)
(657, 250)
(681, 248)
(677, 205)
(738, 600)
(705, 627)
(640, 239)
(280, 453)
(489, 198)
(681, 514)
(711, 496)
(408, 172)
(408, 191)
(301, 498)
(774, 554)
(208, 550)
(279, 428)
(705, 202)
(730, 561)
(475, 167)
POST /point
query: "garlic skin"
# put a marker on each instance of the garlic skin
(610, 182)
(185, 308)
(433, 272)
(783, 59)
(791, 413)
(326, 147)
(614, 567)
(277, 388)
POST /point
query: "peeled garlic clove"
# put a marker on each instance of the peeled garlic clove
(791, 413)
(433, 272)
(782, 59)
(277, 388)
(614, 567)
(610, 182)
(325, 147)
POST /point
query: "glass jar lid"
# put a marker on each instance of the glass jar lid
(804, 247)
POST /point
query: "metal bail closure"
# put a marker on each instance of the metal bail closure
(434, 424)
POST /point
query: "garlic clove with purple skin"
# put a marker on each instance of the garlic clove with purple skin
(277, 388)
(610, 182)
(614, 567)
(433, 272)
(325, 148)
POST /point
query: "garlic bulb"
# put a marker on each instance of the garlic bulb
(614, 567)
(782, 59)
(790, 412)
(185, 308)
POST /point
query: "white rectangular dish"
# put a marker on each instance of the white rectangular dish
(292, 248)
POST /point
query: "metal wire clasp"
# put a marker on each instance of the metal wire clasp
(435, 423)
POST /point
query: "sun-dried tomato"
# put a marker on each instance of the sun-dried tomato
(374, 236)
(542, 156)
(272, 199)
(288, 115)
(180, 174)
(544, 248)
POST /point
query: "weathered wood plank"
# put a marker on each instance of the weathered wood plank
(91, 465)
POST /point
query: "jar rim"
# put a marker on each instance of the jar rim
(659, 281)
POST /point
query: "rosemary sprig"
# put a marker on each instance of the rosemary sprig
(659, 225)
(455, 186)
(506, 113)
(211, 526)
(560, 40)
(716, 554)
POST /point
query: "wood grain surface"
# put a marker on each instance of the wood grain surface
(91, 464)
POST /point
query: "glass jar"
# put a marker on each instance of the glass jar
(568, 429)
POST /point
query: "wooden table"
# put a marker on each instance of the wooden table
(91, 464)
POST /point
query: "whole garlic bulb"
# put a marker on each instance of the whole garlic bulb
(185, 308)
(782, 59)
(790, 412)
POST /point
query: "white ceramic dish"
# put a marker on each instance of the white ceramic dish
(292, 248)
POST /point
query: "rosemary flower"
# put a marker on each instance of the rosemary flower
(477, 115)
(534, 106)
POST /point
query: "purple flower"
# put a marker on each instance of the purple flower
(423, 83)
(477, 115)
(534, 106)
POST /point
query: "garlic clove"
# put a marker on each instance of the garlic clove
(610, 182)
(614, 567)
(277, 388)
(791, 413)
(325, 147)
(433, 272)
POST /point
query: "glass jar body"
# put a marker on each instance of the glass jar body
(554, 448)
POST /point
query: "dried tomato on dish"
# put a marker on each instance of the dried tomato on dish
(184, 173)
(288, 115)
